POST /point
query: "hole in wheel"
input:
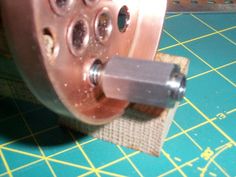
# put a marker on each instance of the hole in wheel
(91, 2)
(79, 36)
(123, 19)
(103, 25)
(61, 3)
(61, 7)
(48, 42)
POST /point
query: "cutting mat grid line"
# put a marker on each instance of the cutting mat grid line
(201, 141)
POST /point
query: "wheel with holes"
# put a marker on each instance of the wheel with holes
(55, 42)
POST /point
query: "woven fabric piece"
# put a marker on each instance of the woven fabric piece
(142, 128)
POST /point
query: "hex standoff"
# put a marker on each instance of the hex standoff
(138, 81)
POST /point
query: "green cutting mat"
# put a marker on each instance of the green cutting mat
(201, 141)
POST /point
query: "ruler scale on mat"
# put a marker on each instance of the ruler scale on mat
(201, 6)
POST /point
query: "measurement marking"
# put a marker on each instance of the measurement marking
(186, 103)
(195, 39)
(28, 136)
(199, 75)
(207, 72)
(130, 161)
(232, 111)
(37, 161)
(212, 174)
(89, 141)
(23, 166)
(220, 168)
(111, 174)
(5, 164)
(190, 164)
(34, 138)
(112, 163)
(84, 154)
(191, 139)
(212, 123)
(200, 169)
(42, 131)
(67, 163)
(190, 129)
(15, 115)
(206, 63)
(200, 20)
(181, 166)
(222, 146)
(178, 159)
(169, 17)
(221, 116)
(183, 104)
(207, 154)
(211, 160)
(173, 163)
(43, 158)
(118, 160)
(23, 153)
(229, 144)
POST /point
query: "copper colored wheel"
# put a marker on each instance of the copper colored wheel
(55, 43)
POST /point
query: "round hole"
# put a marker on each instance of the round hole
(49, 43)
(61, 7)
(103, 25)
(91, 2)
(194, 1)
(62, 3)
(79, 36)
(123, 19)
